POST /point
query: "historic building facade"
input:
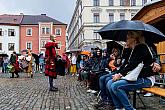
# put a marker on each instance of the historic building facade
(91, 15)
(35, 31)
(10, 33)
(20, 32)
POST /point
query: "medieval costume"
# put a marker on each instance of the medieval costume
(15, 64)
(29, 68)
(50, 67)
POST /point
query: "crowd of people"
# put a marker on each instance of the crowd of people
(101, 71)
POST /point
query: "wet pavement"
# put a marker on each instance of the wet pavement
(33, 94)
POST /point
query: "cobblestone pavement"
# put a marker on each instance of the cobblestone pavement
(32, 94)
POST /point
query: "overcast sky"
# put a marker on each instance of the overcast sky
(59, 9)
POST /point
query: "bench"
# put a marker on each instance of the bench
(156, 90)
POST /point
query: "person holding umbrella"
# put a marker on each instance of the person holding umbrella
(118, 89)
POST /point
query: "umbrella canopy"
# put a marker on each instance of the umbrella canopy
(113, 44)
(35, 55)
(118, 31)
(88, 48)
(3, 55)
(25, 50)
(85, 53)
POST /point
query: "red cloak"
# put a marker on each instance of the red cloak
(50, 56)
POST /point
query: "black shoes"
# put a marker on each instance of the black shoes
(17, 76)
(53, 89)
(31, 75)
(101, 105)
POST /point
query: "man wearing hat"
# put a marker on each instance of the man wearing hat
(50, 56)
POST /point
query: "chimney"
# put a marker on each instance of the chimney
(43, 14)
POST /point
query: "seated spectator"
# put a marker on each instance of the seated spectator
(118, 88)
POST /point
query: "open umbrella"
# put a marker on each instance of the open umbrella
(88, 48)
(25, 50)
(85, 53)
(118, 31)
(3, 55)
(35, 55)
(113, 44)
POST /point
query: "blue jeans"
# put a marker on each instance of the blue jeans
(119, 88)
(5, 67)
(102, 83)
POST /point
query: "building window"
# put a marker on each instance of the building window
(96, 17)
(124, 2)
(59, 45)
(111, 17)
(11, 46)
(96, 2)
(133, 2)
(47, 30)
(43, 44)
(29, 45)
(143, 2)
(96, 35)
(28, 32)
(110, 2)
(1, 32)
(58, 32)
(0, 46)
(43, 30)
(122, 16)
(11, 32)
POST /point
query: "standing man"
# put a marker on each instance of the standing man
(14, 62)
(50, 57)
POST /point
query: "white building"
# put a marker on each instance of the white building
(9, 33)
(91, 15)
(9, 39)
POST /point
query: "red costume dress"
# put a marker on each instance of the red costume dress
(50, 56)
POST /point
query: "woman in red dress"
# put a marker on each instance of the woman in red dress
(50, 58)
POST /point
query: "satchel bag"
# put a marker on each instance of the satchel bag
(24, 63)
(133, 75)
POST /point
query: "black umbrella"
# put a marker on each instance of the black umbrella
(118, 31)
(3, 55)
(113, 44)
(25, 50)
(35, 55)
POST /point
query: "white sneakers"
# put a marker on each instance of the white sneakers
(122, 109)
(148, 94)
(91, 91)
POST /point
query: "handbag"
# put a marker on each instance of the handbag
(24, 63)
(133, 75)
